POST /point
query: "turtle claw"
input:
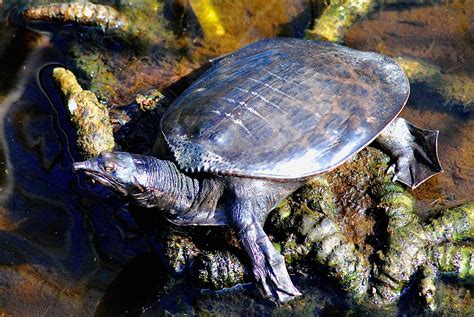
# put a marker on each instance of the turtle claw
(275, 282)
(268, 265)
(392, 169)
(414, 149)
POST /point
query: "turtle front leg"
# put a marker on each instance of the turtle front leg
(248, 213)
(414, 149)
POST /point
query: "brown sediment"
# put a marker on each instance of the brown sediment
(37, 290)
(456, 150)
(435, 44)
(438, 34)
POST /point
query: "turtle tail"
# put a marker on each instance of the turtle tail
(414, 150)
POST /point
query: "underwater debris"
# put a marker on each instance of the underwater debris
(209, 17)
(338, 17)
(455, 88)
(84, 13)
(89, 117)
(133, 22)
(151, 100)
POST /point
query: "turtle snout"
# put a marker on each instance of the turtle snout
(80, 166)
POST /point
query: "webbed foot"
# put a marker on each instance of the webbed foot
(268, 266)
(414, 150)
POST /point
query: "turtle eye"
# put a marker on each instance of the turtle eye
(109, 167)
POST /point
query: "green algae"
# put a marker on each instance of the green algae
(179, 253)
(96, 75)
(453, 225)
(455, 88)
(454, 258)
(218, 269)
(337, 18)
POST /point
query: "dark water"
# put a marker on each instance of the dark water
(69, 248)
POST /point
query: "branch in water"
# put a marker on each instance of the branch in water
(88, 115)
(83, 13)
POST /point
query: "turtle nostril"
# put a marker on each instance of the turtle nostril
(77, 166)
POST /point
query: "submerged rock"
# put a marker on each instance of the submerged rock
(218, 269)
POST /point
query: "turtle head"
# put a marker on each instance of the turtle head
(125, 173)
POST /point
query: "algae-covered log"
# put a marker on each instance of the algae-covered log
(338, 17)
(308, 233)
(88, 115)
(179, 253)
(453, 225)
(405, 251)
(454, 258)
(329, 222)
(411, 241)
(218, 269)
(82, 12)
(455, 88)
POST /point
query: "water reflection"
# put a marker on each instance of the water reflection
(54, 235)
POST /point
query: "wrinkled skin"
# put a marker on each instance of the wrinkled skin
(239, 202)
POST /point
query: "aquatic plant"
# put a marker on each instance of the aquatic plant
(338, 17)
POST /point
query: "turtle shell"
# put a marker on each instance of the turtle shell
(284, 109)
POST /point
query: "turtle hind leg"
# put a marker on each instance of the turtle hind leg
(248, 213)
(414, 149)
(268, 266)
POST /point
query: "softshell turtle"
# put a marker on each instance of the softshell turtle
(255, 126)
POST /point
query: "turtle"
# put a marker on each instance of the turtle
(259, 123)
